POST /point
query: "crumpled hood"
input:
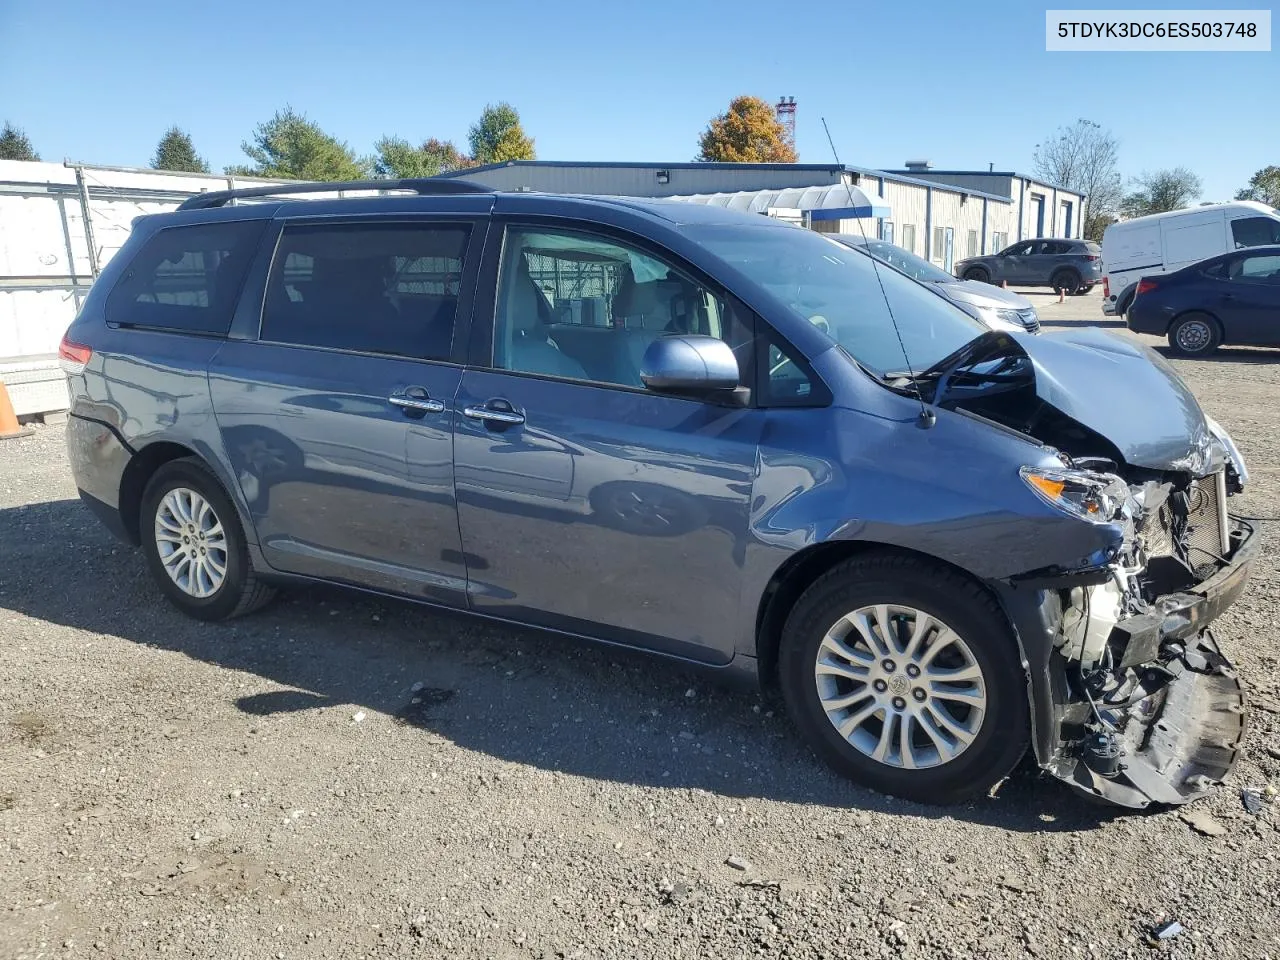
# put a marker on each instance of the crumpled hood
(1127, 393)
(984, 295)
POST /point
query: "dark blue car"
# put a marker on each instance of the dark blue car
(1233, 298)
(688, 431)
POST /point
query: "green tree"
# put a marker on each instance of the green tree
(176, 152)
(399, 159)
(498, 137)
(748, 132)
(14, 144)
(291, 147)
(1264, 186)
(1083, 157)
(1161, 192)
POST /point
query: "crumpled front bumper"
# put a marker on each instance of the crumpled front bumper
(1184, 738)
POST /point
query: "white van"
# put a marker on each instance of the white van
(1163, 242)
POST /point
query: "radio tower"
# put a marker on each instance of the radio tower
(785, 110)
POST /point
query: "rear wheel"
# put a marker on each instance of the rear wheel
(1194, 335)
(978, 273)
(1066, 281)
(906, 678)
(195, 546)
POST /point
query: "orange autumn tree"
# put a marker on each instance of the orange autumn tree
(747, 133)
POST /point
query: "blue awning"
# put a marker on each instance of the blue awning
(835, 201)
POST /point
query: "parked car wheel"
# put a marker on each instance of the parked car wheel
(978, 273)
(195, 545)
(1085, 289)
(1066, 281)
(906, 678)
(1195, 335)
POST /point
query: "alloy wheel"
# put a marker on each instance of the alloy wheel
(191, 542)
(900, 686)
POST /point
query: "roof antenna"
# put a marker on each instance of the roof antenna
(927, 417)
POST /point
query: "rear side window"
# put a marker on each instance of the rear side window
(186, 279)
(387, 288)
(1255, 231)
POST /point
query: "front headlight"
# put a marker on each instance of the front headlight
(1233, 452)
(1096, 497)
(1001, 319)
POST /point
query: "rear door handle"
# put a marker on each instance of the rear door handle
(415, 401)
(495, 411)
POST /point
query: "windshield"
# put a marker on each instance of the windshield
(916, 267)
(837, 289)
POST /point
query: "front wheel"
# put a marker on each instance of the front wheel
(1194, 335)
(905, 677)
(195, 546)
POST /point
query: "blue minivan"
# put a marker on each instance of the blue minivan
(679, 429)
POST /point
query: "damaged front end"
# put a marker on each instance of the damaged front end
(1132, 700)
(1143, 706)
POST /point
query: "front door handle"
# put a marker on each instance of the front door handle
(491, 412)
(415, 401)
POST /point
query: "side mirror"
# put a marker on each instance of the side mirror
(689, 364)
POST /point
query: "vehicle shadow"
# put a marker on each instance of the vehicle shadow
(1120, 324)
(522, 696)
(1226, 355)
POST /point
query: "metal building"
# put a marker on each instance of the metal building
(942, 222)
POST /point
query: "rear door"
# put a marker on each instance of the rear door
(1250, 303)
(336, 404)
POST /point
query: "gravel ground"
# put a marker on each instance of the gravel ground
(276, 788)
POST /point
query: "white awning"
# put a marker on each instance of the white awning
(836, 201)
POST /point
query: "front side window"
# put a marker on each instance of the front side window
(1019, 250)
(186, 279)
(389, 288)
(1255, 231)
(585, 308)
(839, 291)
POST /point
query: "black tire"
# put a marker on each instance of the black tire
(1088, 288)
(241, 591)
(1194, 334)
(1003, 731)
(1066, 281)
(978, 273)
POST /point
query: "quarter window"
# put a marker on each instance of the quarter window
(1255, 231)
(373, 288)
(186, 279)
(585, 308)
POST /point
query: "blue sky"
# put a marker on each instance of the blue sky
(960, 84)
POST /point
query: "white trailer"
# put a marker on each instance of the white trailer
(59, 225)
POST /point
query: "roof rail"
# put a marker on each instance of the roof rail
(422, 186)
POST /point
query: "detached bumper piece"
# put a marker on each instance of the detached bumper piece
(1175, 745)
(1162, 723)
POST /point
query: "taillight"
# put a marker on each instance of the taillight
(1091, 256)
(1145, 286)
(72, 356)
(1106, 289)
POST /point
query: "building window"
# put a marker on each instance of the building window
(999, 241)
(937, 243)
(909, 237)
(973, 244)
(886, 231)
